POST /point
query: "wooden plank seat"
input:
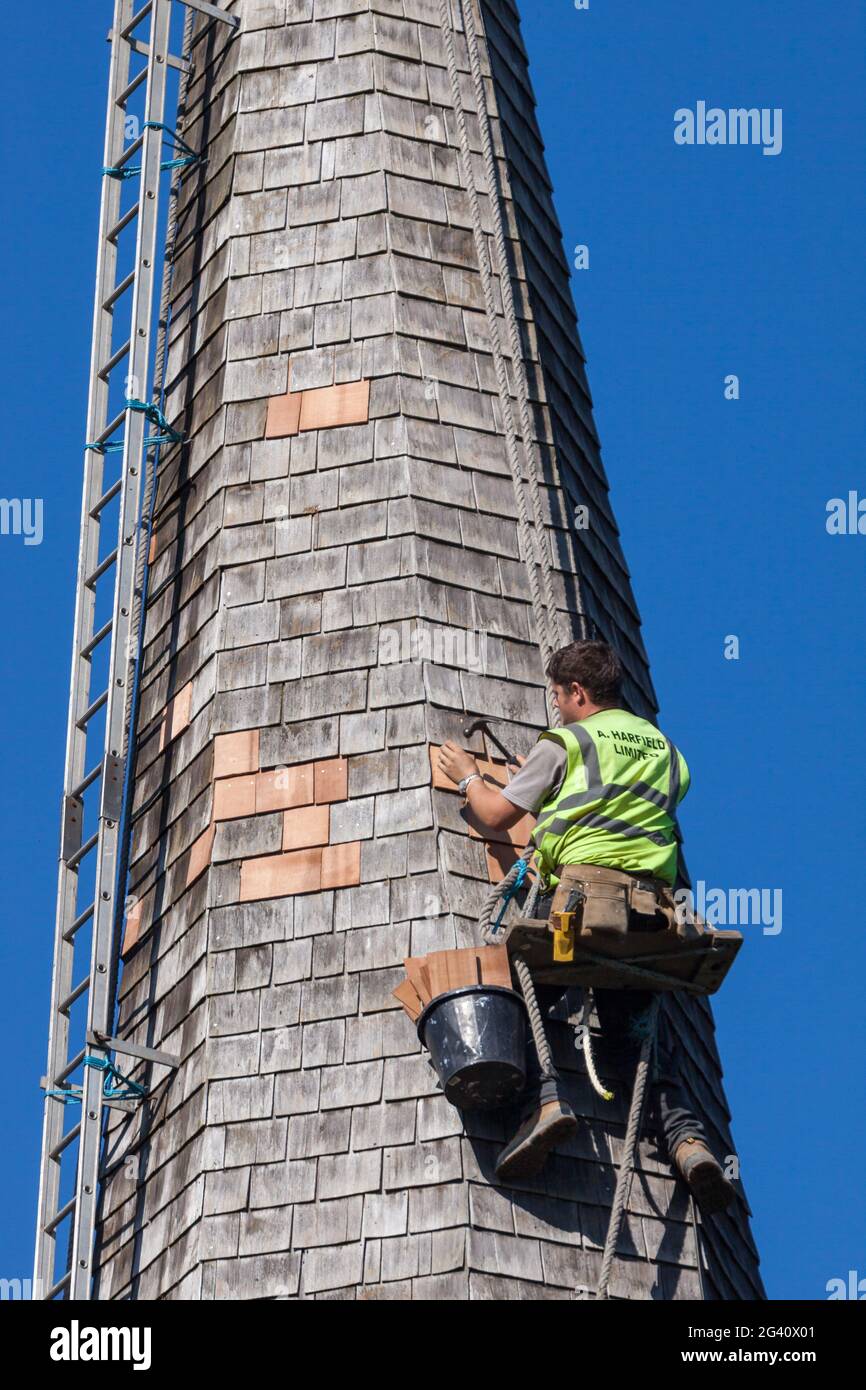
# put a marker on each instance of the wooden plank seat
(661, 960)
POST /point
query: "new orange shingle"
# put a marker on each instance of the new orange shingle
(284, 413)
(234, 796)
(281, 875)
(132, 926)
(306, 826)
(175, 716)
(199, 854)
(330, 406)
(499, 860)
(341, 865)
(285, 787)
(332, 780)
(236, 753)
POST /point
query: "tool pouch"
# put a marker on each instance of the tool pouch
(605, 898)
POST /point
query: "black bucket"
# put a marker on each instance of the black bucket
(476, 1038)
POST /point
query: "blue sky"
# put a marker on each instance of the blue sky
(704, 261)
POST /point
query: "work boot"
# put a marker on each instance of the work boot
(712, 1190)
(527, 1153)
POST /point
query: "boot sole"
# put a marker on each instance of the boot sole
(531, 1157)
(712, 1191)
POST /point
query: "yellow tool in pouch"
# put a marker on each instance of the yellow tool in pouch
(563, 936)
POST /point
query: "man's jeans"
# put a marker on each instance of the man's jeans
(617, 1011)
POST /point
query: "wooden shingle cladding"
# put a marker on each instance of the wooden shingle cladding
(341, 598)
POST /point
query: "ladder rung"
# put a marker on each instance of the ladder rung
(79, 922)
(76, 858)
(69, 1137)
(89, 713)
(92, 776)
(133, 87)
(96, 574)
(137, 19)
(89, 650)
(130, 151)
(66, 1004)
(112, 362)
(122, 223)
(118, 290)
(106, 497)
(55, 1288)
(60, 1215)
(110, 428)
(70, 1067)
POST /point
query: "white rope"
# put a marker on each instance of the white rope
(585, 1038)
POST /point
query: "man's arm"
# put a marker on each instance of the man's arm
(489, 807)
(539, 777)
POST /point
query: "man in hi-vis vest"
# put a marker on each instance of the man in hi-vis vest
(604, 788)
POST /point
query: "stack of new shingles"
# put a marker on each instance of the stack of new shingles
(443, 971)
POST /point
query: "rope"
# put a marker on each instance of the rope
(125, 171)
(698, 1245)
(530, 448)
(507, 889)
(626, 1167)
(129, 1090)
(532, 550)
(151, 413)
(583, 1040)
(536, 1022)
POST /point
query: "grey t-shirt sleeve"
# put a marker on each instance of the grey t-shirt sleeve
(540, 777)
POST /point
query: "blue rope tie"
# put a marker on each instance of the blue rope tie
(130, 1090)
(189, 156)
(151, 413)
(513, 889)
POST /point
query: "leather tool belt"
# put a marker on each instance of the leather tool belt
(600, 899)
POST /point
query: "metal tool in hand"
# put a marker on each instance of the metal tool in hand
(483, 726)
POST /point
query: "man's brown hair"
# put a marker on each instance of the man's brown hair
(594, 665)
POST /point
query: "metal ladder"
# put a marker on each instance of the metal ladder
(126, 427)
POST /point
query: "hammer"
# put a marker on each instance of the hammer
(484, 727)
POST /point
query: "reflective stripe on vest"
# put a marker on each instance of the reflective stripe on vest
(598, 790)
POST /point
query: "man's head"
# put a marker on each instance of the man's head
(586, 677)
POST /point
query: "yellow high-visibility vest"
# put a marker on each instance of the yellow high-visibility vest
(618, 799)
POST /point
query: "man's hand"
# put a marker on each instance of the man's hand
(455, 762)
